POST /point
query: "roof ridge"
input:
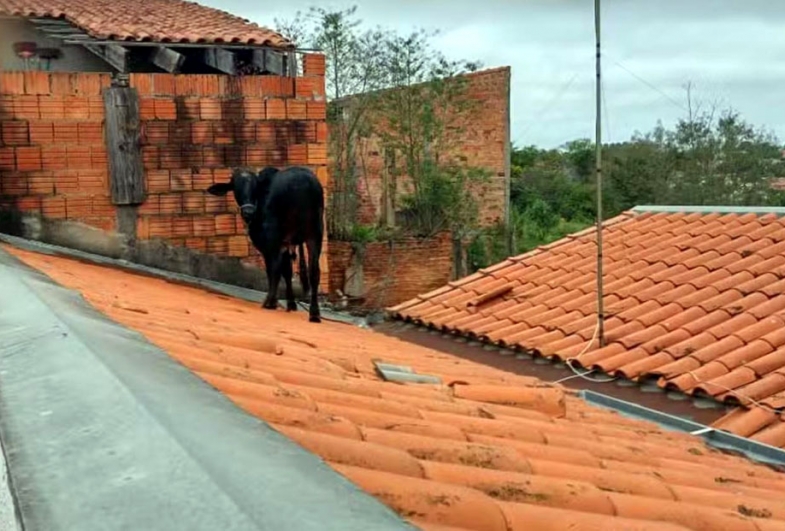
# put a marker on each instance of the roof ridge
(708, 209)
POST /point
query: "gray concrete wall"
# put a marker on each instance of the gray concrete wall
(152, 253)
(74, 58)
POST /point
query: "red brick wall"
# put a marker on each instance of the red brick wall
(483, 143)
(396, 271)
(195, 128)
(52, 151)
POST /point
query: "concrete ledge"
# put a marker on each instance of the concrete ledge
(155, 253)
(103, 430)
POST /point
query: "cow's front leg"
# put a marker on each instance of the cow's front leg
(271, 301)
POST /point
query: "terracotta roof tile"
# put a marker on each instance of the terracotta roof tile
(694, 298)
(152, 20)
(500, 452)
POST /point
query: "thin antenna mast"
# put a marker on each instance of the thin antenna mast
(598, 148)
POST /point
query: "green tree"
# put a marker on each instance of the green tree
(398, 88)
(354, 67)
(417, 119)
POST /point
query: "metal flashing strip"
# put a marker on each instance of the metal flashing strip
(104, 430)
(697, 209)
(402, 373)
(250, 295)
(719, 439)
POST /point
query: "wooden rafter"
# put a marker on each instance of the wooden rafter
(114, 54)
(167, 59)
(222, 60)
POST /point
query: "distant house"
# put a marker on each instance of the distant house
(132, 36)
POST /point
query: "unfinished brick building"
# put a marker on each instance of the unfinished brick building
(112, 127)
(388, 271)
(483, 142)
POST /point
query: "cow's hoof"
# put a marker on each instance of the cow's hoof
(291, 306)
(315, 319)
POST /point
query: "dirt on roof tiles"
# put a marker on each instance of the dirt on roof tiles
(692, 299)
(492, 451)
(152, 20)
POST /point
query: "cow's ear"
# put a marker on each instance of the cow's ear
(220, 189)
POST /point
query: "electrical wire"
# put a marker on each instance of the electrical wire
(650, 85)
(548, 107)
(576, 371)
(585, 375)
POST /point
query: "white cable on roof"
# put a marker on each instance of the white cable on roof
(584, 375)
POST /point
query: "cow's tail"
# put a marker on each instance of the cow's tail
(303, 267)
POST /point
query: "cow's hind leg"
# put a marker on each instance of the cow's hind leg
(304, 273)
(314, 251)
(286, 272)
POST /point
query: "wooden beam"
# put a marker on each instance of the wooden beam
(50, 22)
(123, 131)
(222, 60)
(167, 59)
(269, 62)
(59, 29)
(81, 37)
(291, 64)
(115, 55)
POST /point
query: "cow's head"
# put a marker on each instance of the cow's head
(244, 183)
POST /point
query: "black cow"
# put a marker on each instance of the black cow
(282, 209)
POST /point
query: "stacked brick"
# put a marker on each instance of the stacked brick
(195, 129)
(484, 143)
(396, 271)
(52, 149)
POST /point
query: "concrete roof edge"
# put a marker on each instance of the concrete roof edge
(92, 411)
(247, 294)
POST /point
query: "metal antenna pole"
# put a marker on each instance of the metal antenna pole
(598, 148)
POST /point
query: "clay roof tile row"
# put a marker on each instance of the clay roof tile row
(492, 451)
(696, 300)
(166, 21)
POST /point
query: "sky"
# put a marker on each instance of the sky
(731, 52)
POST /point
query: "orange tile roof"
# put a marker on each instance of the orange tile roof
(498, 452)
(150, 20)
(695, 301)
